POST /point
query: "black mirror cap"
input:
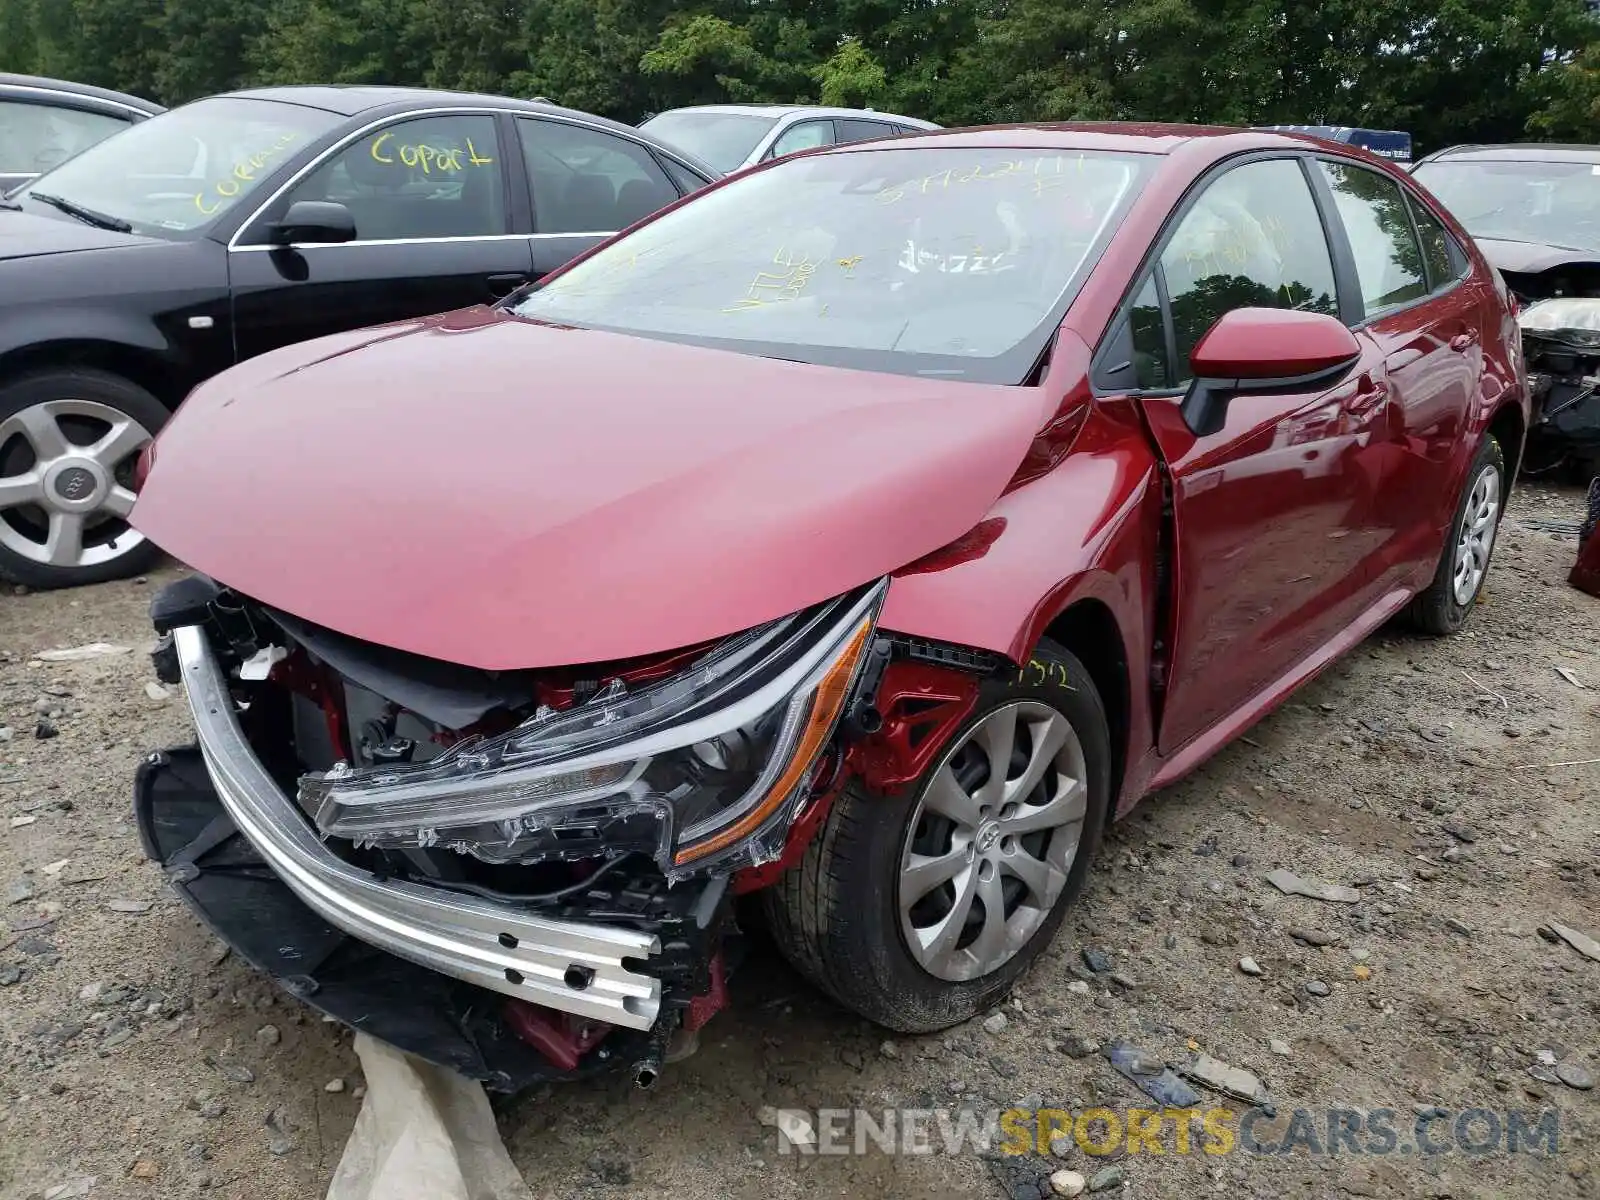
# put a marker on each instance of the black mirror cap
(314, 221)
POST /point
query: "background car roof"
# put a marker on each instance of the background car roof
(1144, 137)
(375, 101)
(1530, 151)
(814, 110)
(80, 89)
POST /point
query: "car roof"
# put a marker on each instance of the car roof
(1135, 137)
(1526, 151)
(85, 90)
(376, 101)
(811, 110)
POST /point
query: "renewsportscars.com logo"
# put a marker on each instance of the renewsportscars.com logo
(1212, 1131)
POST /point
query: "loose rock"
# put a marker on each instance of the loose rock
(131, 907)
(1291, 884)
(1575, 1075)
(1317, 988)
(994, 1022)
(1096, 960)
(155, 691)
(1108, 1178)
(268, 1035)
(1067, 1183)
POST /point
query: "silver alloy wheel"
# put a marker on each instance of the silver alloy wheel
(992, 841)
(1475, 539)
(75, 487)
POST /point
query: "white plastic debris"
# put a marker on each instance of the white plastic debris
(423, 1133)
(258, 665)
(81, 653)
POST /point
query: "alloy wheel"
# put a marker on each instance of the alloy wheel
(65, 470)
(992, 842)
(1475, 540)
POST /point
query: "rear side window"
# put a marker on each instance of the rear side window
(1374, 212)
(587, 180)
(1439, 255)
(861, 131)
(1253, 239)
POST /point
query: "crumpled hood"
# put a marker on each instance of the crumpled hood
(1530, 258)
(25, 235)
(503, 494)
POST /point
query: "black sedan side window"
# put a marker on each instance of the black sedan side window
(586, 180)
(1253, 239)
(37, 137)
(431, 177)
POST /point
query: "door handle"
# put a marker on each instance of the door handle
(1367, 396)
(1462, 340)
(504, 285)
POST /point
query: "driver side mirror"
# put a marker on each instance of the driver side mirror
(1263, 350)
(314, 221)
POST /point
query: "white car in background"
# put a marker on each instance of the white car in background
(731, 136)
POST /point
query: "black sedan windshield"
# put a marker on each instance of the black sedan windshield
(954, 263)
(179, 172)
(1548, 203)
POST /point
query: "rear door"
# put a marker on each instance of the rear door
(588, 183)
(431, 198)
(41, 130)
(849, 129)
(1425, 322)
(1270, 560)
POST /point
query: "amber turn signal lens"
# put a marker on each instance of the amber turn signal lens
(826, 704)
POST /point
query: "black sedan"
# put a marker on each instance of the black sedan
(241, 223)
(44, 122)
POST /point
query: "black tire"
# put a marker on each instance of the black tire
(1436, 610)
(99, 387)
(836, 915)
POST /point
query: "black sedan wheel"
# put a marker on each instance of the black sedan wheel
(921, 910)
(68, 443)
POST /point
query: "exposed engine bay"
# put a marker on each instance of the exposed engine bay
(572, 839)
(1560, 322)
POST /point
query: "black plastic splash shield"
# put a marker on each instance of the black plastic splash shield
(185, 828)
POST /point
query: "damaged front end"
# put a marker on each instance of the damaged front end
(1561, 344)
(524, 876)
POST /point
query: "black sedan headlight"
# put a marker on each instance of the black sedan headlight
(710, 763)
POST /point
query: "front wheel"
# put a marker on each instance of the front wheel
(1444, 606)
(68, 441)
(922, 909)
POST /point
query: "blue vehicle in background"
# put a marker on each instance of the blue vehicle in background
(1392, 144)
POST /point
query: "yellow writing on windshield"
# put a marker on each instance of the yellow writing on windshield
(243, 173)
(447, 160)
(1034, 169)
(774, 287)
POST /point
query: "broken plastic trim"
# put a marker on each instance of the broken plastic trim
(709, 756)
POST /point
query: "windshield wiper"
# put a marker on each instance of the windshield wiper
(87, 215)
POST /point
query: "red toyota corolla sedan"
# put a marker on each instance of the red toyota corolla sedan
(866, 531)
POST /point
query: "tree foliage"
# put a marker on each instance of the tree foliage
(1448, 70)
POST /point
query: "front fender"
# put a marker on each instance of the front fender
(1086, 530)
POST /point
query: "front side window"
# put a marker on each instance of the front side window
(589, 181)
(1545, 203)
(431, 177)
(1253, 239)
(34, 138)
(956, 263)
(1148, 328)
(807, 135)
(183, 170)
(1378, 223)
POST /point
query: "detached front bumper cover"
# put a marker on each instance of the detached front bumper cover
(570, 966)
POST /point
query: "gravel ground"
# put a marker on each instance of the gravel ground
(135, 1053)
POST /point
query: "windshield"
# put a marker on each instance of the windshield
(723, 140)
(180, 171)
(1549, 203)
(950, 262)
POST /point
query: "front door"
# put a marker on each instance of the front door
(430, 197)
(1271, 511)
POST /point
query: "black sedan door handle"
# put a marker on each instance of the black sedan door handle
(504, 285)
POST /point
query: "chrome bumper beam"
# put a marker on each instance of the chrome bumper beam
(494, 946)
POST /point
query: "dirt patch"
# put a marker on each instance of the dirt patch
(133, 1053)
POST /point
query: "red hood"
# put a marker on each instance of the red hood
(501, 494)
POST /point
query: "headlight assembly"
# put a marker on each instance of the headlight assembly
(699, 769)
